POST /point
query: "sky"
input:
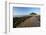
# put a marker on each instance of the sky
(25, 10)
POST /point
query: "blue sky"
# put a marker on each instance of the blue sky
(25, 10)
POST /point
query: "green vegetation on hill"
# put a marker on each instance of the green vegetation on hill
(32, 14)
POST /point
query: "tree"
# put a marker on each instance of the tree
(33, 14)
